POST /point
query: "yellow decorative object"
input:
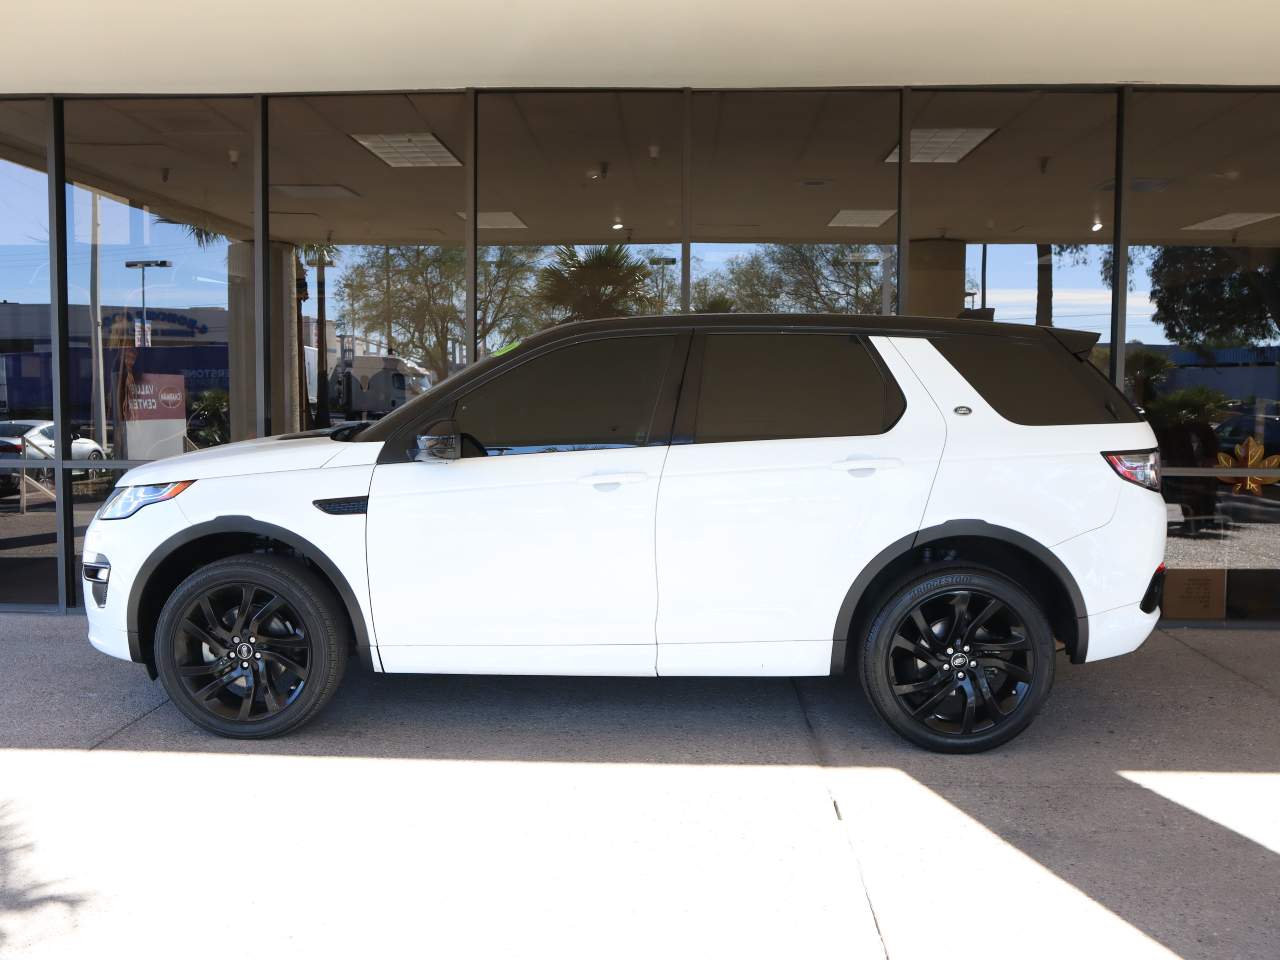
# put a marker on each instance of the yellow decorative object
(1249, 456)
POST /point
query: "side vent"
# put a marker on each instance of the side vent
(343, 506)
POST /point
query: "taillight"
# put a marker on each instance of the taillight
(1137, 466)
(9, 447)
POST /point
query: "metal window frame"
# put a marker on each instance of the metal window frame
(55, 167)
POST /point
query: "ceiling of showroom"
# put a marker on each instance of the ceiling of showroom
(765, 165)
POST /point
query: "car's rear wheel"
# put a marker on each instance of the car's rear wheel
(958, 660)
(251, 646)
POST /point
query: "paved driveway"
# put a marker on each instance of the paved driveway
(504, 817)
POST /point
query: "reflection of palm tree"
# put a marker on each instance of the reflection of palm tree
(601, 281)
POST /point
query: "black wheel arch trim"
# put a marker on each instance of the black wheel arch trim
(946, 531)
(244, 525)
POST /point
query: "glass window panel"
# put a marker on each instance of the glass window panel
(588, 396)
(1012, 195)
(770, 386)
(367, 197)
(160, 273)
(28, 542)
(794, 206)
(580, 200)
(1203, 358)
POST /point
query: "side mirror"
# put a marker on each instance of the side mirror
(443, 443)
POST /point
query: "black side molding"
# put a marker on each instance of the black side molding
(943, 531)
(237, 524)
(343, 506)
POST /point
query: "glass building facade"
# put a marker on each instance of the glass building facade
(181, 272)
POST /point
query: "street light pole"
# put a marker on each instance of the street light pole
(142, 338)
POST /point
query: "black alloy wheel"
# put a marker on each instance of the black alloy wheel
(242, 651)
(251, 646)
(959, 661)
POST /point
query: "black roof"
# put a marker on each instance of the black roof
(1077, 341)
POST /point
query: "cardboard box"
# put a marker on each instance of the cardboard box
(1195, 595)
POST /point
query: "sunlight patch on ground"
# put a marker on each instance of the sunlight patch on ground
(1246, 803)
(939, 879)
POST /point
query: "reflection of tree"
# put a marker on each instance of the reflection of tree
(1192, 405)
(1208, 297)
(594, 282)
(422, 291)
(795, 278)
(1144, 371)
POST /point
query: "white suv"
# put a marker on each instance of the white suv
(934, 504)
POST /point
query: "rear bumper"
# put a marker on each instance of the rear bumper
(1120, 631)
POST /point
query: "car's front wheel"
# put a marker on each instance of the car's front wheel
(958, 659)
(251, 646)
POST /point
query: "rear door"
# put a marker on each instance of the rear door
(798, 457)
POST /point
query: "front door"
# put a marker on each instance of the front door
(809, 454)
(534, 552)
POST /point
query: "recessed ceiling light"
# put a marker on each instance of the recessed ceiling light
(407, 149)
(497, 220)
(315, 191)
(943, 144)
(1231, 221)
(861, 218)
(617, 226)
(1097, 225)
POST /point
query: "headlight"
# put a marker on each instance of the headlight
(126, 501)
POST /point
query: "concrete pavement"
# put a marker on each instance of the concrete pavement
(473, 816)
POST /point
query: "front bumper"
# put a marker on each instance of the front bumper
(121, 547)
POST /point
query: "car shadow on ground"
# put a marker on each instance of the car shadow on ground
(1058, 793)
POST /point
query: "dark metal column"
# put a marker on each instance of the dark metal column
(1120, 241)
(904, 195)
(60, 338)
(471, 230)
(262, 265)
(686, 205)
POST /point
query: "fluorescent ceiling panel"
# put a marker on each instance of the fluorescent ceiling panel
(407, 149)
(861, 218)
(497, 220)
(1231, 221)
(315, 191)
(943, 144)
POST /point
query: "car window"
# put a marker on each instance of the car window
(47, 433)
(772, 386)
(1035, 382)
(595, 395)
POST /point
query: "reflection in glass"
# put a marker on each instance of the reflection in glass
(579, 209)
(803, 219)
(159, 261)
(367, 194)
(28, 544)
(1203, 311)
(1012, 199)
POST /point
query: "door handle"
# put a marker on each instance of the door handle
(865, 466)
(605, 482)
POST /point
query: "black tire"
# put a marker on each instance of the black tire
(1004, 653)
(252, 624)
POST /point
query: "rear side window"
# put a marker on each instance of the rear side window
(1037, 383)
(587, 396)
(773, 386)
